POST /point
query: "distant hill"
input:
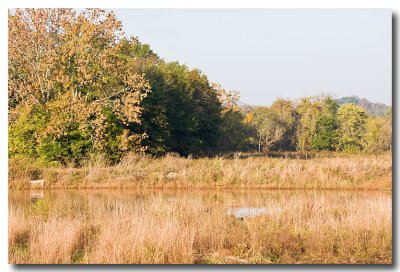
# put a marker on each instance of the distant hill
(375, 109)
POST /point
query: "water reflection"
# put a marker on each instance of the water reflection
(243, 212)
(238, 203)
(36, 195)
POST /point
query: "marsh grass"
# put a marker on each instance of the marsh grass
(170, 227)
(134, 171)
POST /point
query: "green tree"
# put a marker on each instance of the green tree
(235, 133)
(275, 125)
(72, 68)
(270, 129)
(182, 113)
(352, 127)
(326, 127)
(24, 130)
(388, 127)
(374, 136)
(378, 136)
(285, 112)
(309, 111)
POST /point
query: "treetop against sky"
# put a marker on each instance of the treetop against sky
(271, 53)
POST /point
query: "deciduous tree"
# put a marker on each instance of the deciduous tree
(352, 127)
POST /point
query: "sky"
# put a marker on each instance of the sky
(267, 54)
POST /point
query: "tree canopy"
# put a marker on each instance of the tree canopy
(77, 85)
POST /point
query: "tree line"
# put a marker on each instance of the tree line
(320, 123)
(78, 86)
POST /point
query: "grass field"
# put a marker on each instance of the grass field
(337, 171)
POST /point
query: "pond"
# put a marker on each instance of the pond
(237, 203)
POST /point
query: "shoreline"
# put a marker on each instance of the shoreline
(172, 186)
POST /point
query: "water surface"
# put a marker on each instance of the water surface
(236, 203)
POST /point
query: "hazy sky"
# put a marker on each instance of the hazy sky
(271, 53)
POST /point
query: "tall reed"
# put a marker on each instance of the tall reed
(339, 172)
(187, 227)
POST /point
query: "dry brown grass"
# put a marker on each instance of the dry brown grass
(188, 227)
(335, 172)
